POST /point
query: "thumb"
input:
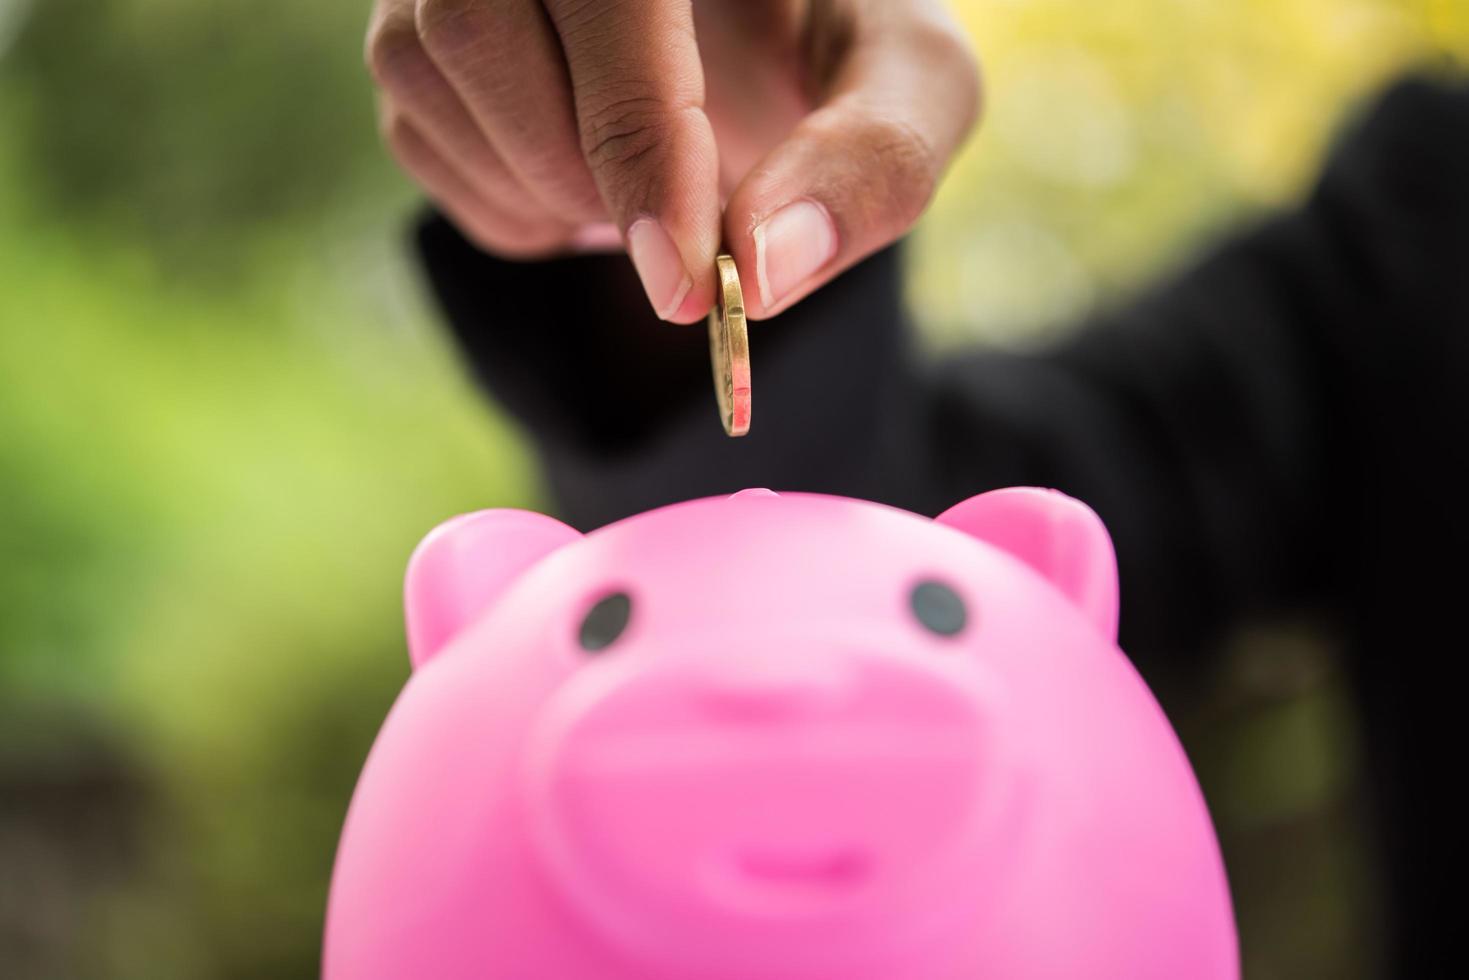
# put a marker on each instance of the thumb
(858, 171)
(638, 85)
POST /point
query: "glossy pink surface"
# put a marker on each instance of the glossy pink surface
(776, 770)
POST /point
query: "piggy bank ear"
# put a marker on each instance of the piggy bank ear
(1058, 536)
(464, 564)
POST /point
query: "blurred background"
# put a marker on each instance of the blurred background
(227, 415)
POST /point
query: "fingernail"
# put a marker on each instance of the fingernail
(599, 237)
(790, 246)
(659, 266)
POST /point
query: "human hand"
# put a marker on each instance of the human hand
(821, 127)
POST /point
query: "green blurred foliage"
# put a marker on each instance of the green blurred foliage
(226, 417)
(224, 422)
(194, 125)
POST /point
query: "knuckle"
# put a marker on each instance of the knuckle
(441, 24)
(400, 137)
(583, 19)
(950, 57)
(599, 26)
(393, 55)
(940, 38)
(906, 169)
(621, 131)
(610, 27)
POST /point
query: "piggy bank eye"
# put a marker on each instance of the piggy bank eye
(938, 607)
(605, 621)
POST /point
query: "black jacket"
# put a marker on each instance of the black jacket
(1285, 426)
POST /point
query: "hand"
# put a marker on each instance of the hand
(539, 126)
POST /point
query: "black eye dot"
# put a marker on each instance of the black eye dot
(938, 608)
(605, 621)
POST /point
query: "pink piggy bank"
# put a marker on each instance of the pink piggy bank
(783, 737)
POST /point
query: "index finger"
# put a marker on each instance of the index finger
(638, 86)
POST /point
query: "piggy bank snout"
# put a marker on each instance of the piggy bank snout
(742, 793)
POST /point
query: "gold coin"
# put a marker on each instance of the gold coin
(729, 350)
